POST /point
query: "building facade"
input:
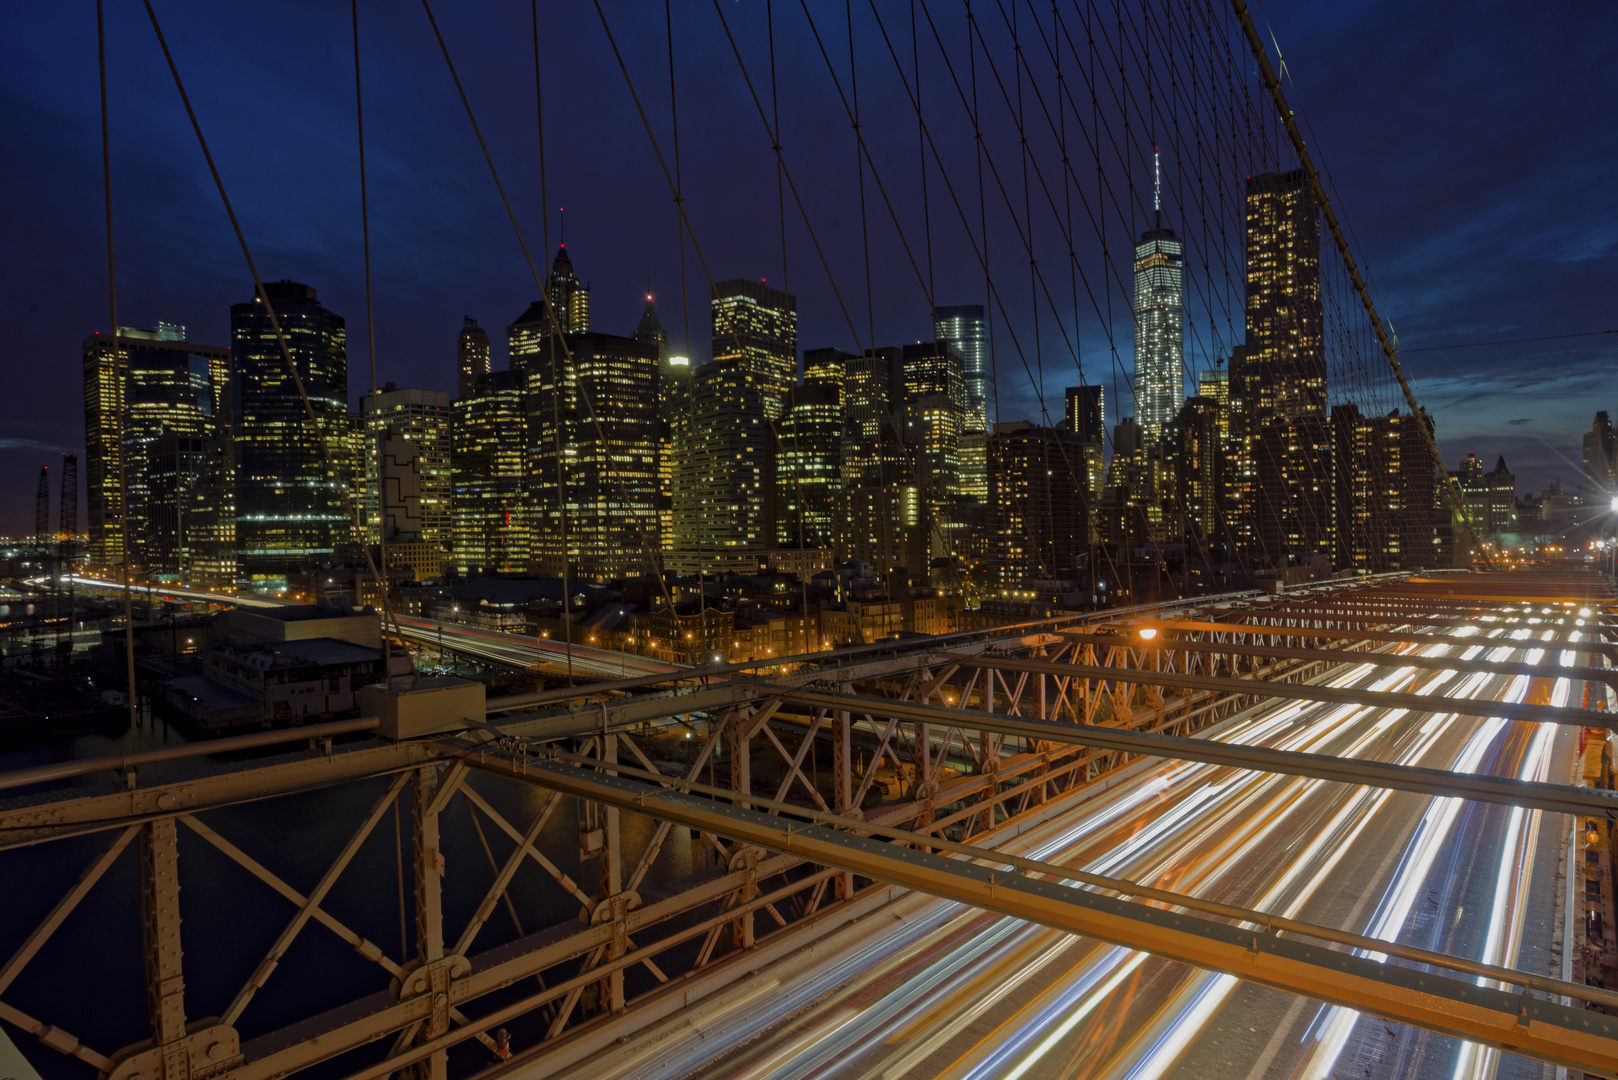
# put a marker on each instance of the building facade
(491, 531)
(1159, 307)
(292, 503)
(756, 327)
(965, 328)
(472, 358)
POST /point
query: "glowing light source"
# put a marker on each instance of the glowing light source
(1147, 633)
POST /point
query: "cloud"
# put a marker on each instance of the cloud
(1522, 420)
(31, 444)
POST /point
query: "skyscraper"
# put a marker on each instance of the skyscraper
(492, 532)
(808, 467)
(569, 296)
(1383, 492)
(404, 426)
(471, 357)
(593, 405)
(1159, 305)
(1284, 359)
(757, 326)
(1037, 510)
(963, 327)
(151, 405)
(1278, 376)
(719, 472)
(1086, 413)
(290, 508)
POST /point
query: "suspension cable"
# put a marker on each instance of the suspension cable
(119, 366)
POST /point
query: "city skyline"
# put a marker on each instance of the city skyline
(1525, 289)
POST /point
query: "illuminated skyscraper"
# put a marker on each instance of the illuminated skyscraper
(290, 510)
(808, 467)
(757, 327)
(1159, 305)
(471, 357)
(492, 532)
(719, 473)
(963, 327)
(412, 428)
(1284, 360)
(154, 404)
(569, 296)
(1037, 503)
(592, 475)
(1383, 489)
(1278, 377)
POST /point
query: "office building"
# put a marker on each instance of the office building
(1284, 362)
(1383, 492)
(491, 531)
(825, 367)
(594, 405)
(1086, 413)
(1279, 428)
(964, 327)
(1195, 458)
(1159, 307)
(757, 327)
(149, 406)
(472, 359)
(292, 505)
(935, 416)
(808, 467)
(720, 473)
(1038, 515)
(410, 431)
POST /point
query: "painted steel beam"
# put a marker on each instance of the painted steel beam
(1339, 656)
(1556, 798)
(1331, 695)
(1610, 651)
(1515, 1023)
(31, 820)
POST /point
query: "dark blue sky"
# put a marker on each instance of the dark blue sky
(1471, 147)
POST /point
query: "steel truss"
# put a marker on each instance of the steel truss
(843, 781)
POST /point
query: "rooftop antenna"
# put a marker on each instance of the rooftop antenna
(1157, 187)
(561, 213)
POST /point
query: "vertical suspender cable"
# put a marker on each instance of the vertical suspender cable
(380, 569)
(118, 367)
(556, 395)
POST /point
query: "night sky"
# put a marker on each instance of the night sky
(1472, 148)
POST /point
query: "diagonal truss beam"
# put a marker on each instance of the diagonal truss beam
(1331, 695)
(1556, 798)
(64, 907)
(1541, 670)
(1518, 1024)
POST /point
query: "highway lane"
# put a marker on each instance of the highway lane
(524, 652)
(960, 994)
(516, 651)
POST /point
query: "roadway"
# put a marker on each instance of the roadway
(929, 988)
